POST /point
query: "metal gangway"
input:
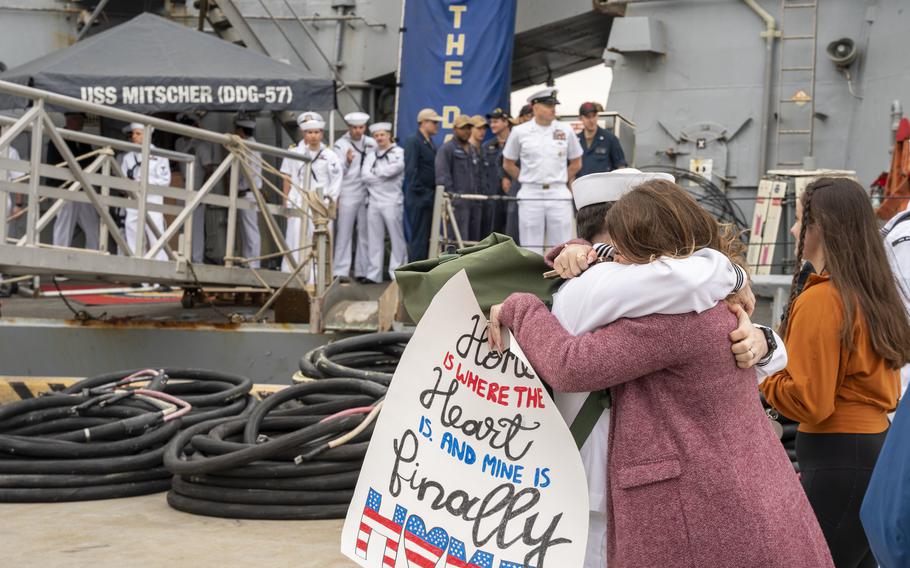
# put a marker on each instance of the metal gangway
(104, 185)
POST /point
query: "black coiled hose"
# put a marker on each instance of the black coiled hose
(296, 455)
(104, 437)
(371, 357)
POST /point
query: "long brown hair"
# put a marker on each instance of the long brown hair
(659, 218)
(855, 259)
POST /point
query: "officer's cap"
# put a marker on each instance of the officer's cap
(428, 114)
(604, 187)
(381, 126)
(356, 118)
(463, 120)
(588, 107)
(545, 96)
(310, 121)
(245, 121)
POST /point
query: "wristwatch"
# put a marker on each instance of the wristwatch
(772, 345)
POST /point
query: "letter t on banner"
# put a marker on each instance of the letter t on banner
(454, 53)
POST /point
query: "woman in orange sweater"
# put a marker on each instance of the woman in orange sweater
(847, 335)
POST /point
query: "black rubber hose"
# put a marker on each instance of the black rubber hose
(255, 512)
(97, 439)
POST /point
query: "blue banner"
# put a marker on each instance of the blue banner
(456, 58)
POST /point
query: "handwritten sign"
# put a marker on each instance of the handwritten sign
(470, 464)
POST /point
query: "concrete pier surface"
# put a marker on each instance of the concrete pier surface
(144, 532)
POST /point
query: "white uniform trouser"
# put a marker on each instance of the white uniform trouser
(594, 459)
(384, 218)
(596, 551)
(249, 231)
(351, 210)
(72, 214)
(132, 223)
(198, 252)
(544, 224)
(295, 238)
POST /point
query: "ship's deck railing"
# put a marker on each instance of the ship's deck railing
(102, 184)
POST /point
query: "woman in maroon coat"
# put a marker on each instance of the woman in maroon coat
(696, 475)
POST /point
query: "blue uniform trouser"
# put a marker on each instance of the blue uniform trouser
(420, 215)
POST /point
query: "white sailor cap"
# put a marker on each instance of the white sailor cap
(386, 126)
(610, 186)
(356, 118)
(245, 121)
(133, 126)
(546, 96)
(310, 121)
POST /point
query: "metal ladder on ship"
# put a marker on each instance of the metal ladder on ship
(795, 117)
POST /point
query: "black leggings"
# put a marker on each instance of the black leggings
(835, 471)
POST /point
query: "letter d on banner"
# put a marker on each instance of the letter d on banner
(454, 54)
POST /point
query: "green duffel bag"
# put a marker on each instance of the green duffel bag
(496, 267)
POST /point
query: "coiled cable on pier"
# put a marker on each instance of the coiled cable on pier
(297, 455)
(104, 437)
(371, 357)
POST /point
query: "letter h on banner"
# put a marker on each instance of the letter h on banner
(390, 529)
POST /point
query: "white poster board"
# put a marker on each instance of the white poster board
(470, 464)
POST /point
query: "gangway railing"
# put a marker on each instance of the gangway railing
(102, 184)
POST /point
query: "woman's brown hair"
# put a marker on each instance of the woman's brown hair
(659, 218)
(855, 259)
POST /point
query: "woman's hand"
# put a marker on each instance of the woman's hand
(573, 260)
(749, 344)
(744, 298)
(494, 333)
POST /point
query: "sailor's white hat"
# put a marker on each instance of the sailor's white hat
(603, 187)
(376, 127)
(310, 121)
(356, 118)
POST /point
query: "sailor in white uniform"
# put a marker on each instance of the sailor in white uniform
(352, 150)
(609, 291)
(159, 173)
(325, 173)
(550, 156)
(383, 173)
(245, 128)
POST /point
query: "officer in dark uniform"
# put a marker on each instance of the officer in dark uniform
(458, 170)
(420, 182)
(495, 179)
(602, 152)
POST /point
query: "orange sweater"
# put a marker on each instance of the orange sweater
(826, 387)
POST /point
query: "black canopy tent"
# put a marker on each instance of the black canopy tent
(150, 64)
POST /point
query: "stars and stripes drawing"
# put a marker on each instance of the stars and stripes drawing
(390, 529)
(423, 548)
(455, 557)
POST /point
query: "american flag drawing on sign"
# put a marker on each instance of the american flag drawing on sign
(455, 557)
(423, 549)
(371, 521)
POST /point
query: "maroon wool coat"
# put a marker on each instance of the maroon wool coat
(696, 475)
